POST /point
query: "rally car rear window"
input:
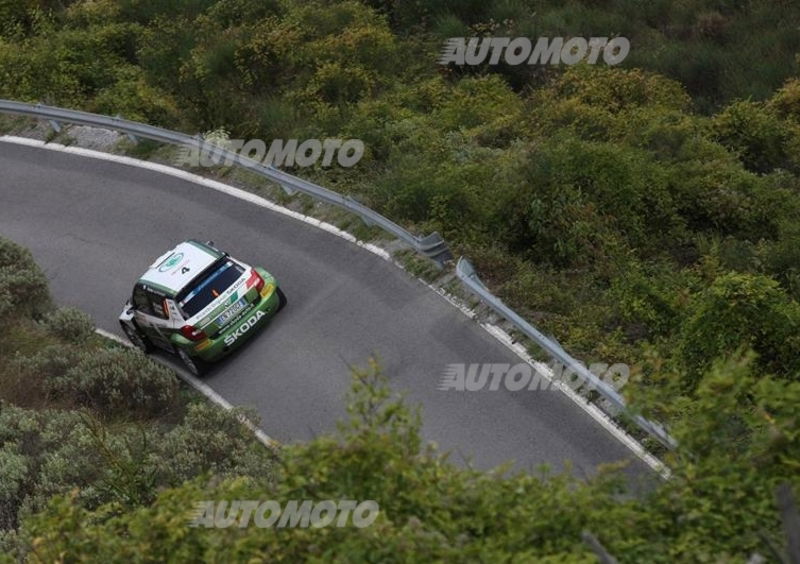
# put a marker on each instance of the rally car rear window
(208, 287)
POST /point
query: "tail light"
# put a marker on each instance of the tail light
(255, 278)
(192, 333)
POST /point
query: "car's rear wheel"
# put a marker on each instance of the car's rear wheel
(194, 365)
(281, 299)
(137, 338)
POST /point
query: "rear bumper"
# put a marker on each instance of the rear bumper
(211, 350)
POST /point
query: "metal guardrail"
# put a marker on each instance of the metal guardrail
(466, 273)
(432, 246)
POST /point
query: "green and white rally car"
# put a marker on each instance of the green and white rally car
(200, 303)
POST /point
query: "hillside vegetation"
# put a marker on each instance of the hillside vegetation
(738, 444)
(647, 213)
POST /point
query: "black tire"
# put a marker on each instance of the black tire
(282, 301)
(196, 366)
(137, 338)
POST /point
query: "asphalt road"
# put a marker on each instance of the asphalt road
(94, 226)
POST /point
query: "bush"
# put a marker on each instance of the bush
(29, 378)
(717, 506)
(787, 100)
(715, 196)
(23, 286)
(648, 300)
(210, 439)
(753, 132)
(50, 451)
(741, 311)
(133, 98)
(50, 362)
(615, 90)
(117, 381)
(42, 453)
(13, 468)
(69, 324)
(582, 203)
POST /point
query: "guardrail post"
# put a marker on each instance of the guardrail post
(435, 247)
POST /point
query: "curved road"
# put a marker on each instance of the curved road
(94, 226)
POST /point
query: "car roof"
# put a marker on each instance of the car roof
(173, 270)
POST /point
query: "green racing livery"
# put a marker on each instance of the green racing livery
(200, 303)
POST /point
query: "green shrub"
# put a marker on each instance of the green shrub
(753, 132)
(718, 505)
(144, 11)
(210, 439)
(29, 376)
(13, 472)
(582, 203)
(43, 453)
(720, 196)
(48, 363)
(117, 381)
(53, 452)
(741, 311)
(69, 324)
(616, 90)
(786, 102)
(649, 300)
(131, 97)
(23, 286)
(335, 84)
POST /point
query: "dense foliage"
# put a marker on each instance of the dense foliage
(741, 440)
(647, 213)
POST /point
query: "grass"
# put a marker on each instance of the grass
(419, 266)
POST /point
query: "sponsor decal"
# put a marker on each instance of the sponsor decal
(153, 290)
(213, 309)
(171, 262)
(244, 328)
